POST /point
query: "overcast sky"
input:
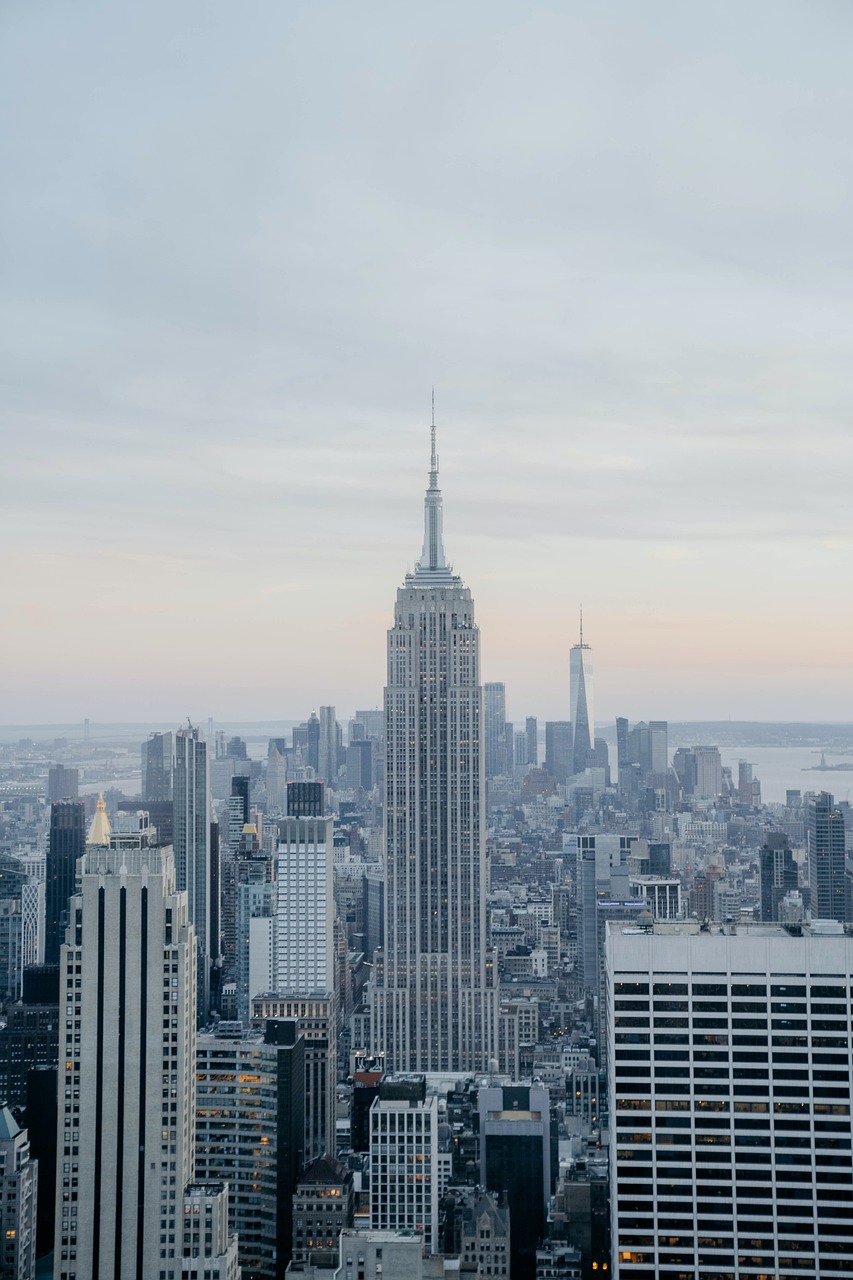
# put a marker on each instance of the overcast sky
(242, 241)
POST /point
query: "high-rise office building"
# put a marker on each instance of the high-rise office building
(744, 782)
(778, 873)
(709, 772)
(254, 894)
(302, 928)
(66, 843)
(374, 723)
(292, 964)
(531, 728)
(323, 1207)
(327, 747)
(191, 837)
(208, 1251)
(581, 703)
(316, 1020)
(276, 780)
(127, 1069)
(253, 1135)
(729, 1100)
(404, 1161)
(374, 908)
(18, 1201)
(601, 875)
(826, 858)
(312, 742)
(494, 699)
(240, 785)
(157, 767)
(515, 1158)
(621, 742)
(359, 761)
(30, 1039)
(558, 750)
(62, 783)
(434, 1004)
(644, 746)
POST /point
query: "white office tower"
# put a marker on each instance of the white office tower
(126, 1124)
(730, 1100)
(434, 1006)
(191, 835)
(292, 961)
(581, 702)
(404, 1160)
(18, 1199)
(303, 956)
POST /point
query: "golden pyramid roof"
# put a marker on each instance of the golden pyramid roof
(99, 831)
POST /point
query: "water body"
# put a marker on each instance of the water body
(780, 769)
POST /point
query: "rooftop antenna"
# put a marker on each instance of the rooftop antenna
(581, 624)
(433, 459)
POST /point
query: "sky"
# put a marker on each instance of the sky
(241, 243)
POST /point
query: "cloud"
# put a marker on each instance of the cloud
(243, 246)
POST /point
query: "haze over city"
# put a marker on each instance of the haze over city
(242, 247)
(426, 732)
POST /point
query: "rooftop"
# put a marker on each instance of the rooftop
(745, 928)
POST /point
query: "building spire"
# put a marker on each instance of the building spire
(433, 461)
(581, 624)
(99, 831)
(433, 559)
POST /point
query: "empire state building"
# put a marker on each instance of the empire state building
(434, 1005)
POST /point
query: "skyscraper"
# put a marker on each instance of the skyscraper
(18, 1197)
(531, 728)
(558, 749)
(495, 728)
(581, 702)
(515, 1158)
(778, 873)
(292, 959)
(62, 783)
(191, 837)
(729, 1101)
(825, 844)
(157, 767)
(257, 1140)
(434, 1004)
(66, 843)
(404, 1134)
(327, 748)
(127, 1068)
(645, 746)
(312, 741)
(240, 788)
(302, 934)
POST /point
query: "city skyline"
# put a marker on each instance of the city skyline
(616, 242)
(501, 926)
